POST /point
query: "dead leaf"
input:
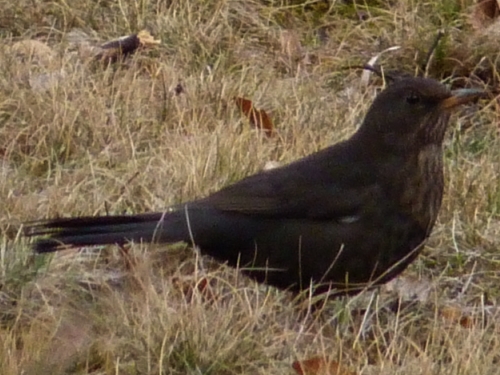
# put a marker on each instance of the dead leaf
(146, 39)
(484, 13)
(455, 315)
(320, 366)
(257, 117)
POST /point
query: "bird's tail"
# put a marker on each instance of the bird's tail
(63, 233)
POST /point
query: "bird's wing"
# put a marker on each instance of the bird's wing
(316, 189)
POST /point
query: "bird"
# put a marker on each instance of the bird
(346, 218)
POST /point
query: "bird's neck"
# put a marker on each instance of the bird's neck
(400, 142)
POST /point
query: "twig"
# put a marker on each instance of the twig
(428, 58)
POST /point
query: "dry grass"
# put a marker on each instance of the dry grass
(119, 140)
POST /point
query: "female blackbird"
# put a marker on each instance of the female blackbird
(345, 218)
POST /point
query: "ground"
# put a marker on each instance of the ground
(79, 137)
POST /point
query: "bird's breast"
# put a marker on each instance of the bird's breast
(420, 186)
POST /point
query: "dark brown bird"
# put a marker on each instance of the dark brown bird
(353, 215)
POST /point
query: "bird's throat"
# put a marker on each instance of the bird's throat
(422, 182)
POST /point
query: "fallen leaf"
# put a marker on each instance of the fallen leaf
(257, 117)
(455, 315)
(484, 13)
(320, 366)
(146, 39)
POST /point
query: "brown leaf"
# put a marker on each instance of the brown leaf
(257, 117)
(455, 315)
(484, 13)
(320, 366)
(489, 8)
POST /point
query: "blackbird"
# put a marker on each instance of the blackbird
(347, 217)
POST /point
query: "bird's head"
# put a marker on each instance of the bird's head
(412, 113)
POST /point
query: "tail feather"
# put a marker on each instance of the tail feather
(66, 233)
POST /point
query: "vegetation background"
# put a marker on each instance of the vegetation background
(79, 138)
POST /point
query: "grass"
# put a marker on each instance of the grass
(118, 139)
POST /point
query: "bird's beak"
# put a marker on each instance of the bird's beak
(461, 96)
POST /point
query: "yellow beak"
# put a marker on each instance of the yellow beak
(461, 96)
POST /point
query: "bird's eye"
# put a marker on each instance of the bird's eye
(413, 98)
